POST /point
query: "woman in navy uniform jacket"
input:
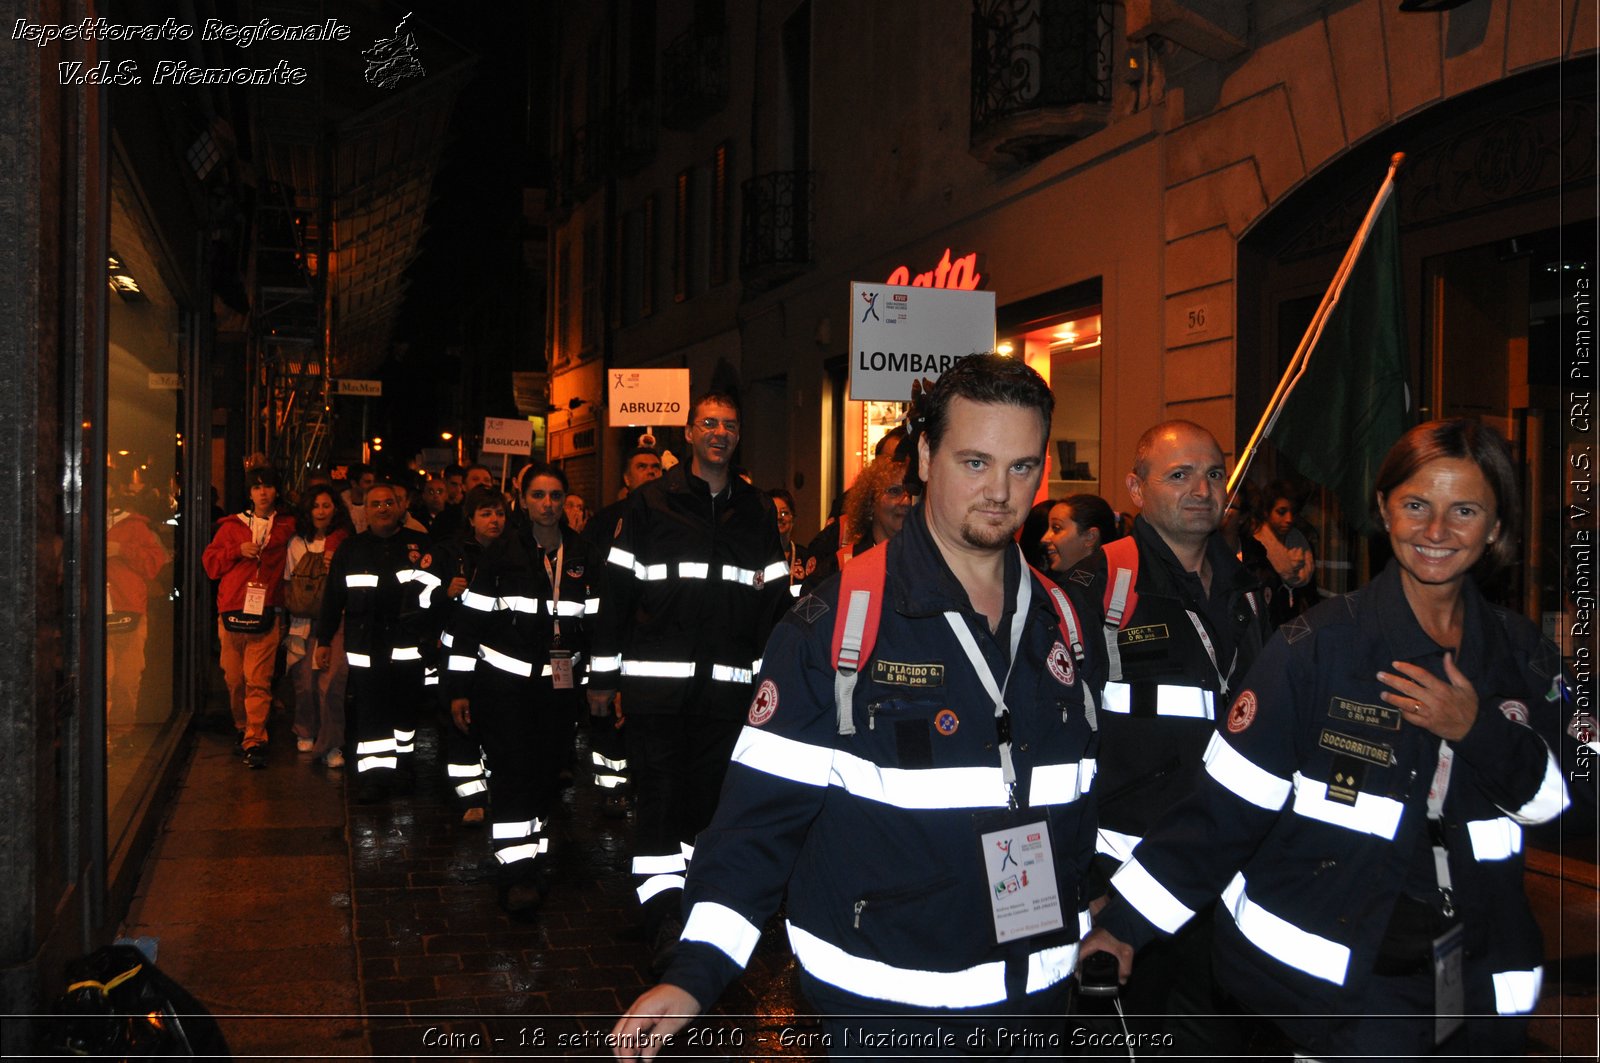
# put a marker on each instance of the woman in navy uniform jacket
(516, 660)
(1361, 810)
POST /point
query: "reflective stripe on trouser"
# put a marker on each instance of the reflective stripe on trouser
(467, 779)
(519, 840)
(654, 875)
(382, 719)
(525, 738)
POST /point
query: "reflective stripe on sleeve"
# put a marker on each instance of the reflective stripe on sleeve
(1550, 801)
(776, 570)
(464, 771)
(361, 579)
(1371, 814)
(973, 987)
(722, 927)
(357, 660)
(1494, 839)
(724, 673)
(1517, 992)
(693, 570)
(591, 606)
(1153, 900)
(461, 663)
(1060, 784)
(1115, 844)
(446, 639)
(621, 558)
(474, 786)
(658, 669)
(505, 662)
(405, 653)
(1049, 966)
(1190, 703)
(1234, 770)
(1282, 940)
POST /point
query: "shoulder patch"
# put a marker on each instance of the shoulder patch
(764, 704)
(1295, 630)
(1060, 664)
(1243, 712)
(1515, 711)
(810, 608)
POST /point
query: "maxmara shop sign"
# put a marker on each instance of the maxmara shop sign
(899, 334)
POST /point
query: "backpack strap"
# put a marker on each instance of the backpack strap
(1122, 597)
(855, 626)
(1071, 628)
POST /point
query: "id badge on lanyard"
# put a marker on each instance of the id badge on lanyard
(561, 669)
(255, 592)
(1020, 868)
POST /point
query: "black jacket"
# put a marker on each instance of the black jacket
(1149, 756)
(692, 587)
(382, 591)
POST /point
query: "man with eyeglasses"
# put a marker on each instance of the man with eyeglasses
(694, 581)
(379, 588)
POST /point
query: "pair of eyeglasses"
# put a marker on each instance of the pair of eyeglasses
(710, 424)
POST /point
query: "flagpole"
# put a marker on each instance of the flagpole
(1302, 352)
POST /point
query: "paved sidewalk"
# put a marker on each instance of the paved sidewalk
(317, 929)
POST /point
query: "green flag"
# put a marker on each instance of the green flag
(1350, 401)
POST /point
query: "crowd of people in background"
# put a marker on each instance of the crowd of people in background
(510, 616)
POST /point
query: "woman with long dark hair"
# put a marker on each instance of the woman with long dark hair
(323, 524)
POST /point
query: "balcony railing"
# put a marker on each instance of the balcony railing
(694, 76)
(633, 131)
(1041, 75)
(585, 159)
(776, 239)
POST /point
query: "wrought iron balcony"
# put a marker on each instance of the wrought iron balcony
(633, 131)
(1041, 75)
(694, 76)
(584, 160)
(776, 239)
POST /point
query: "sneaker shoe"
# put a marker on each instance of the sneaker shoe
(472, 817)
(305, 745)
(334, 759)
(255, 757)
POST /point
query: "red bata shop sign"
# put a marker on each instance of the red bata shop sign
(961, 275)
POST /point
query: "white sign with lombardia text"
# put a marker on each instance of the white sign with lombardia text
(900, 334)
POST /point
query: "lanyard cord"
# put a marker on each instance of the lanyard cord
(1441, 855)
(996, 691)
(554, 575)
